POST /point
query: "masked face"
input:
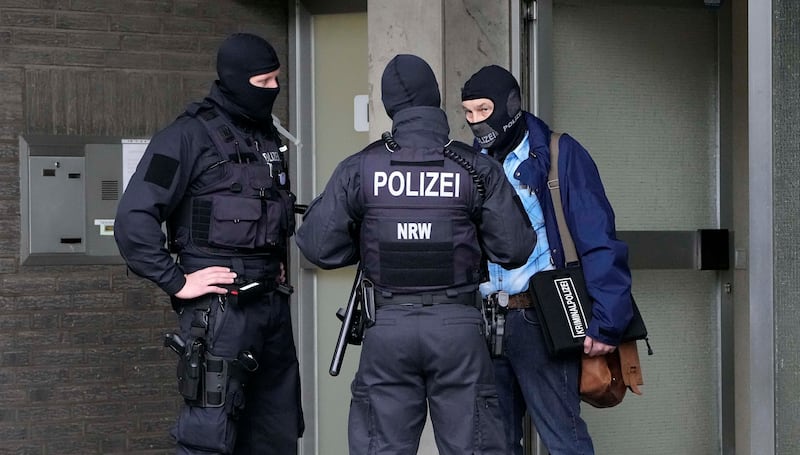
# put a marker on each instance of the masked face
(260, 95)
(484, 134)
(493, 128)
(477, 113)
(266, 80)
(493, 107)
(248, 70)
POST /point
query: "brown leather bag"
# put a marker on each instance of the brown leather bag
(606, 378)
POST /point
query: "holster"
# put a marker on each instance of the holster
(205, 380)
(368, 303)
(190, 370)
(215, 387)
(494, 317)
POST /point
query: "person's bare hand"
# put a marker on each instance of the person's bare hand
(282, 277)
(595, 348)
(205, 281)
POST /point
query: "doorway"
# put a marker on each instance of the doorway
(331, 65)
(638, 84)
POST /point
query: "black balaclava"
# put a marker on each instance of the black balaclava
(240, 57)
(503, 130)
(408, 81)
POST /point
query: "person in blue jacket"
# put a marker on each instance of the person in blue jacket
(528, 377)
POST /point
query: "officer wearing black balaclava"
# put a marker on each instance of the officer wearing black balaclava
(504, 128)
(531, 381)
(417, 211)
(240, 58)
(217, 178)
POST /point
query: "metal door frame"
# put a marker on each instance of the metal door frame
(761, 314)
(301, 122)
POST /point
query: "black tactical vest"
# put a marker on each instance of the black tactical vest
(247, 208)
(417, 232)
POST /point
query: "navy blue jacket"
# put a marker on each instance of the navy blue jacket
(590, 219)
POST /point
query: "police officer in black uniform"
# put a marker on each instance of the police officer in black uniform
(217, 177)
(417, 210)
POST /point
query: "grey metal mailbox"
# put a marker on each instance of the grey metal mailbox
(70, 187)
(57, 204)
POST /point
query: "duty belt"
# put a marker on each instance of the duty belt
(512, 302)
(249, 269)
(520, 301)
(241, 293)
(466, 298)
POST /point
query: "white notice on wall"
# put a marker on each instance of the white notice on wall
(361, 113)
(106, 226)
(132, 151)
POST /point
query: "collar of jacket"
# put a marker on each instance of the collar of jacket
(534, 169)
(533, 172)
(538, 135)
(421, 127)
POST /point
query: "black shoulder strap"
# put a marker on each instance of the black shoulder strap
(220, 132)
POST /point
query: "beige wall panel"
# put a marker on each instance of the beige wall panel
(407, 27)
(340, 73)
(456, 37)
(476, 35)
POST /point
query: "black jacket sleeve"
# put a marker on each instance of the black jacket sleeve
(153, 192)
(506, 233)
(328, 235)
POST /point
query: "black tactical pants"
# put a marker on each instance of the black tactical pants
(416, 357)
(264, 417)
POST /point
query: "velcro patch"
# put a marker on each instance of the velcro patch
(161, 170)
(226, 133)
(208, 114)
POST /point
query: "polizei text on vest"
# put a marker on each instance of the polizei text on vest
(419, 184)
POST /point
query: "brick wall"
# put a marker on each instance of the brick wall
(82, 370)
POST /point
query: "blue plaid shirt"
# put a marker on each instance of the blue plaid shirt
(516, 280)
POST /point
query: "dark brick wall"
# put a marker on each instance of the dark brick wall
(82, 370)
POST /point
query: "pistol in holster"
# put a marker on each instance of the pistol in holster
(494, 316)
(206, 380)
(190, 370)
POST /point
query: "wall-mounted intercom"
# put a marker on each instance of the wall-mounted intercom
(69, 190)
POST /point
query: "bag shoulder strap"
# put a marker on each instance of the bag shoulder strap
(570, 255)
